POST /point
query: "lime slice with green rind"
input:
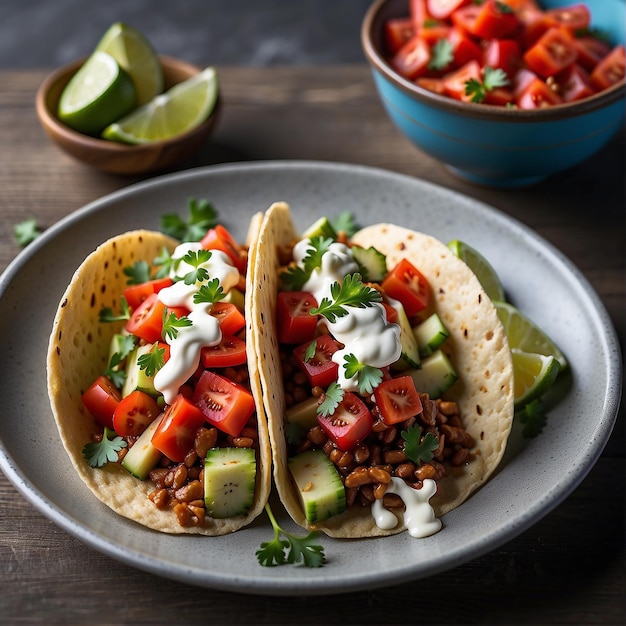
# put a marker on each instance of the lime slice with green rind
(485, 273)
(179, 110)
(136, 55)
(533, 375)
(99, 93)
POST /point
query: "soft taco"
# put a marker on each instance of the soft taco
(386, 442)
(143, 411)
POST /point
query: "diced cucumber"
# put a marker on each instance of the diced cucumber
(143, 456)
(321, 491)
(321, 228)
(430, 334)
(435, 376)
(303, 413)
(136, 378)
(373, 264)
(410, 352)
(234, 296)
(229, 481)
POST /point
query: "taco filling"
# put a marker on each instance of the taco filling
(154, 384)
(396, 377)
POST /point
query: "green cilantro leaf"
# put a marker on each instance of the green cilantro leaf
(210, 293)
(202, 216)
(416, 448)
(345, 223)
(172, 324)
(138, 273)
(300, 549)
(164, 262)
(309, 353)
(533, 418)
(502, 7)
(26, 232)
(332, 398)
(442, 54)
(492, 78)
(196, 259)
(352, 292)
(295, 276)
(294, 433)
(107, 315)
(152, 361)
(115, 373)
(368, 377)
(100, 453)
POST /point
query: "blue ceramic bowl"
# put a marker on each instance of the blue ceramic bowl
(498, 146)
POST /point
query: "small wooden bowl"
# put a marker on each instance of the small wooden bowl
(110, 156)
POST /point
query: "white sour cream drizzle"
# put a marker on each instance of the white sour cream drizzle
(368, 335)
(419, 517)
(204, 331)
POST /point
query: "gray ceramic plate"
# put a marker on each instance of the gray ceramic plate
(534, 478)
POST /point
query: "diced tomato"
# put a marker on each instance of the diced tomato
(224, 403)
(136, 294)
(412, 59)
(176, 432)
(432, 84)
(219, 238)
(101, 399)
(521, 80)
(537, 96)
(574, 84)
(500, 96)
(590, 51)
(230, 318)
(349, 424)
(293, 318)
(553, 53)
(391, 313)
(504, 54)
(454, 82)
(465, 18)
(397, 32)
(320, 369)
(418, 11)
(495, 20)
(442, 9)
(433, 32)
(574, 17)
(408, 285)
(463, 47)
(610, 70)
(146, 320)
(521, 5)
(229, 352)
(135, 413)
(397, 399)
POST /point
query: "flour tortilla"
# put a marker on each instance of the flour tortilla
(477, 347)
(78, 353)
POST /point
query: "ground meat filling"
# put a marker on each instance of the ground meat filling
(367, 469)
(180, 486)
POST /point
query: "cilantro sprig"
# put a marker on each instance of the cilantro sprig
(416, 448)
(533, 418)
(369, 377)
(107, 315)
(196, 258)
(172, 324)
(202, 216)
(138, 273)
(442, 54)
(26, 232)
(102, 452)
(345, 223)
(114, 372)
(153, 360)
(492, 78)
(210, 293)
(292, 549)
(350, 293)
(295, 276)
(332, 399)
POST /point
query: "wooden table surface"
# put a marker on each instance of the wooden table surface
(568, 568)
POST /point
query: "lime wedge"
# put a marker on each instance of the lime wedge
(179, 110)
(137, 56)
(533, 375)
(485, 273)
(524, 335)
(99, 93)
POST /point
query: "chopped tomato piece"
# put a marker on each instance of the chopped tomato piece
(136, 294)
(504, 54)
(101, 400)
(574, 17)
(293, 318)
(432, 32)
(397, 32)
(320, 369)
(390, 312)
(418, 10)
(574, 84)
(465, 18)
(610, 70)
(495, 20)
(229, 352)
(463, 47)
(230, 318)
(397, 399)
(553, 53)
(454, 82)
(219, 238)
(224, 403)
(146, 320)
(412, 59)
(349, 424)
(442, 9)
(538, 95)
(590, 51)
(176, 432)
(500, 96)
(521, 80)
(408, 285)
(135, 413)
(432, 84)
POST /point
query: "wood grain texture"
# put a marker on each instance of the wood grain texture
(567, 569)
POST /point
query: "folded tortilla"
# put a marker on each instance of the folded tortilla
(477, 347)
(78, 352)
